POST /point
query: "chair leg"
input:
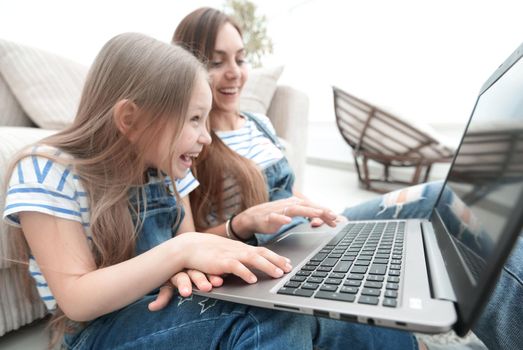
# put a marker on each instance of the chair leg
(427, 172)
(366, 172)
(358, 170)
(386, 172)
(417, 173)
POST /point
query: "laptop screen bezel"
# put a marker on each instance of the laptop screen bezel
(471, 299)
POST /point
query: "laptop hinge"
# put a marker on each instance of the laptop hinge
(439, 278)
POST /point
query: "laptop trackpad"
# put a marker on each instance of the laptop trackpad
(298, 245)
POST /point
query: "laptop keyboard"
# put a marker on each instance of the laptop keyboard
(362, 263)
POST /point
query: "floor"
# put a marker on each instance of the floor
(335, 188)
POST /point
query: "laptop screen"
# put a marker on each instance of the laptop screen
(478, 215)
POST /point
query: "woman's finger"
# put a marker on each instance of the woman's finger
(301, 210)
(315, 222)
(163, 298)
(182, 281)
(329, 217)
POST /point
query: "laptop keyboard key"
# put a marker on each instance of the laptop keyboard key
(378, 269)
(298, 278)
(389, 302)
(319, 257)
(304, 292)
(328, 288)
(292, 284)
(375, 278)
(335, 296)
(321, 274)
(335, 281)
(355, 276)
(393, 286)
(287, 291)
(312, 286)
(371, 284)
(350, 290)
(352, 283)
(371, 291)
(359, 269)
(366, 299)
(343, 266)
(303, 273)
(391, 294)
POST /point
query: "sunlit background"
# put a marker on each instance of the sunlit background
(423, 60)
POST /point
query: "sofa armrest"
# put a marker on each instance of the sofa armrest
(289, 113)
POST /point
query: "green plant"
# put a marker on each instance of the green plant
(254, 28)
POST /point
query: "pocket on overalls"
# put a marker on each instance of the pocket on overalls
(280, 180)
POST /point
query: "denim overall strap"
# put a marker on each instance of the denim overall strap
(263, 128)
(158, 212)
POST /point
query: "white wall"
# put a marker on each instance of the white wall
(423, 60)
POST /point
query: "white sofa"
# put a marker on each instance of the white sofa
(39, 93)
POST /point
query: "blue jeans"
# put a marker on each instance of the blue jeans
(203, 323)
(499, 326)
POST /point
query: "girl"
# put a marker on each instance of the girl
(95, 207)
(98, 210)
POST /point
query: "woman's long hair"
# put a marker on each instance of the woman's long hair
(197, 33)
(159, 79)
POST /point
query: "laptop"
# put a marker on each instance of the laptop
(426, 276)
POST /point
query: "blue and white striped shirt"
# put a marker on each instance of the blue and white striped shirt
(39, 184)
(251, 143)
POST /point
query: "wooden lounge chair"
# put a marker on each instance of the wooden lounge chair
(489, 158)
(376, 135)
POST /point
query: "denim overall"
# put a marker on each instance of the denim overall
(198, 322)
(158, 214)
(280, 180)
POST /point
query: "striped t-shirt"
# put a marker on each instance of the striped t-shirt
(42, 185)
(251, 143)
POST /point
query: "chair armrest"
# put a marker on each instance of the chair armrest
(289, 113)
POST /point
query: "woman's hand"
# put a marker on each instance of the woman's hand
(183, 281)
(269, 217)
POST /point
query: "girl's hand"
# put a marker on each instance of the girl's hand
(183, 281)
(216, 256)
(269, 217)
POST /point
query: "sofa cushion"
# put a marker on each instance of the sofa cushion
(11, 113)
(47, 86)
(259, 89)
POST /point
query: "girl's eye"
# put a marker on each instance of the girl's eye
(214, 64)
(195, 119)
(240, 62)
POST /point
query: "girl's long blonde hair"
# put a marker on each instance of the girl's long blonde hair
(159, 79)
(197, 32)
